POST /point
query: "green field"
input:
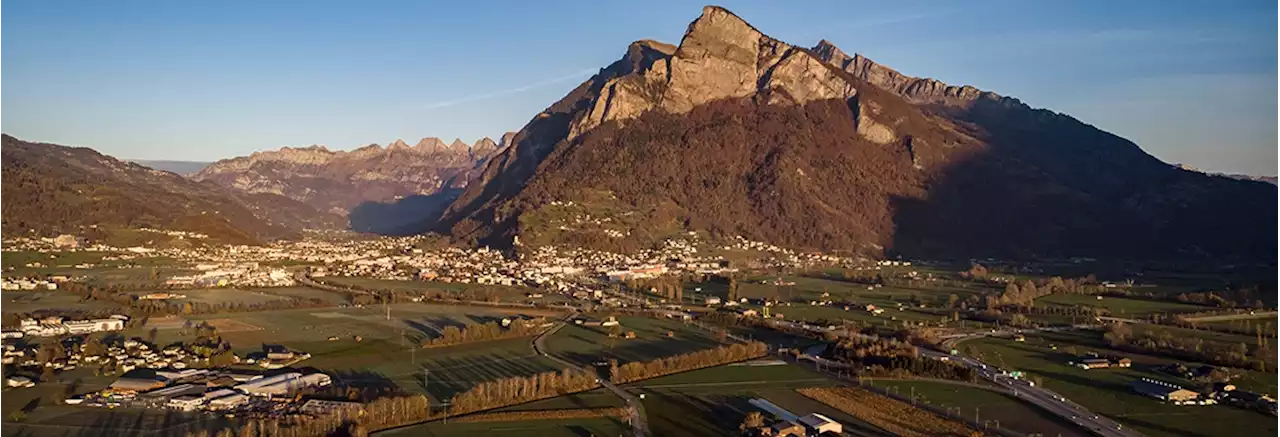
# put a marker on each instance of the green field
(28, 301)
(387, 354)
(985, 405)
(712, 402)
(604, 426)
(1121, 307)
(585, 345)
(307, 293)
(796, 299)
(1106, 391)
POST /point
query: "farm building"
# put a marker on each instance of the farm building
(787, 428)
(1163, 390)
(818, 424)
(132, 384)
(1094, 363)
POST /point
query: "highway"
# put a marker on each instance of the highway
(1044, 398)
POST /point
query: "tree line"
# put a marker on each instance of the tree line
(635, 371)
(893, 357)
(520, 389)
(453, 335)
(1160, 341)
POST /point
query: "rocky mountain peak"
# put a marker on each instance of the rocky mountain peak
(430, 144)
(397, 144)
(483, 148)
(459, 145)
(721, 56)
(829, 53)
(506, 139)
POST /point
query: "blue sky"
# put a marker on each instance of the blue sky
(1190, 82)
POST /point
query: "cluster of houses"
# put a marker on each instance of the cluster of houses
(54, 326)
(123, 357)
(274, 356)
(784, 257)
(248, 274)
(1217, 393)
(28, 284)
(210, 390)
(1227, 394)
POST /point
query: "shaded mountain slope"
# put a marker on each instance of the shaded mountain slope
(52, 189)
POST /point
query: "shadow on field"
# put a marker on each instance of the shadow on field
(360, 385)
(446, 376)
(1163, 428)
(626, 351)
(482, 319)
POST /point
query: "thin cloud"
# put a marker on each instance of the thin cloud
(507, 92)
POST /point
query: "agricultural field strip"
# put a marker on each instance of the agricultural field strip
(731, 383)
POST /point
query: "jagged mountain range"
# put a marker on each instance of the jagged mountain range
(367, 178)
(735, 132)
(50, 189)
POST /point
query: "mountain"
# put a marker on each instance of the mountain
(373, 178)
(1244, 177)
(737, 133)
(179, 167)
(50, 189)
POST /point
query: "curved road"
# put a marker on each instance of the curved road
(633, 404)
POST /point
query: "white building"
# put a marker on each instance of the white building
(284, 384)
(229, 401)
(54, 326)
(818, 424)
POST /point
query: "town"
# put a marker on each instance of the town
(168, 347)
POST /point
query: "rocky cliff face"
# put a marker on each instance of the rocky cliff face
(338, 181)
(735, 132)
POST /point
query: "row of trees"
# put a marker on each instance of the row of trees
(669, 287)
(519, 389)
(452, 335)
(1237, 298)
(893, 357)
(636, 371)
(1153, 340)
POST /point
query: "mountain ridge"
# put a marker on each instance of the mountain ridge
(836, 152)
(389, 186)
(51, 189)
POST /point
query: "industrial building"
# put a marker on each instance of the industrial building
(284, 384)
